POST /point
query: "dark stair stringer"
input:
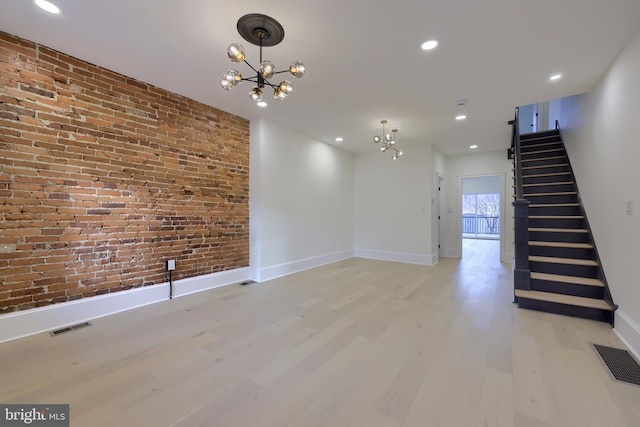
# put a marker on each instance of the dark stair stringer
(566, 274)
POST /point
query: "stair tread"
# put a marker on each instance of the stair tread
(559, 193)
(550, 150)
(539, 144)
(546, 132)
(568, 261)
(559, 230)
(538, 138)
(557, 165)
(544, 184)
(564, 299)
(553, 205)
(575, 280)
(535, 146)
(541, 175)
(543, 158)
(562, 245)
(555, 216)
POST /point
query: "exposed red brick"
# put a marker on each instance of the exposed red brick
(104, 177)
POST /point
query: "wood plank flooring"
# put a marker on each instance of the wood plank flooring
(355, 343)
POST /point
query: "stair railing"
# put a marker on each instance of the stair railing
(515, 144)
(521, 273)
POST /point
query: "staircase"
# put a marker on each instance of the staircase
(565, 274)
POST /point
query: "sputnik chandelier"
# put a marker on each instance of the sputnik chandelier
(388, 141)
(260, 30)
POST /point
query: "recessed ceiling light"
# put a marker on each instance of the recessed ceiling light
(430, 44)
(48, 6)
(339, 139)
(261, 104)
(473, 147)
(555, 77)
(461, 117)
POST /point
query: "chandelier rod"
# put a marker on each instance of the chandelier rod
(250, 66)
(259, 80)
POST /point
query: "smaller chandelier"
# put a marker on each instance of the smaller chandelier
(388, 141)
(260, 30)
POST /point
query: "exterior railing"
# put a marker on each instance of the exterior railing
(481, 224)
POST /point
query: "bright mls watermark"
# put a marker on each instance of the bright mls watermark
(34, 415)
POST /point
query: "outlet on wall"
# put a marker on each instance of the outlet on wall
(171, 265)
(629, 207)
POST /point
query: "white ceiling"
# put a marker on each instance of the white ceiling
(363, 57)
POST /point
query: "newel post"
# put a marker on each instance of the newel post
(521, 274)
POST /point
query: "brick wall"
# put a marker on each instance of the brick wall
(103, 178)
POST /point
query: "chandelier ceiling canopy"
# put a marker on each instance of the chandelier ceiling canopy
(260, 30)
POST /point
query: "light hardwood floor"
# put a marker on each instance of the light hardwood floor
(355, 343)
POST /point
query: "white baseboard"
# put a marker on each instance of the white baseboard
(435, 258)
(37, 320)
(628, 330)
(395, 256)
(274, 271)
(507, 258)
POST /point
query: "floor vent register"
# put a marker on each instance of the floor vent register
(621, 364)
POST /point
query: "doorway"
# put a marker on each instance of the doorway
(481, 211)
(537, 117)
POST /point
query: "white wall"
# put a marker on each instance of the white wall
(301, 202)
(600, 130)
(255, 201)
(392, 206)
(474, 165)
(482, 185)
